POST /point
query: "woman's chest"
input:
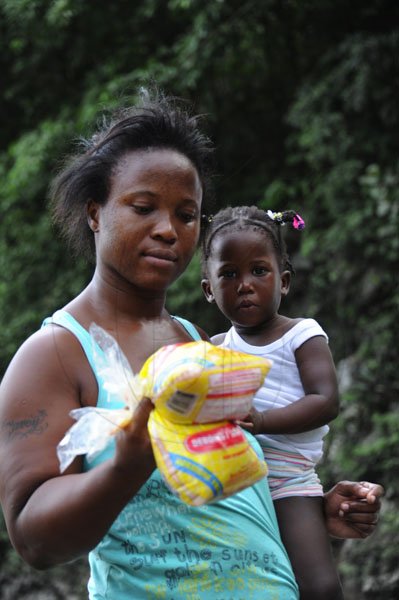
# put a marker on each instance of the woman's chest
(136, 345)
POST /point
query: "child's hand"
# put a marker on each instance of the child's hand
(352, 508)
(253, 422)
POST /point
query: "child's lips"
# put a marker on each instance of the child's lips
(246, 304)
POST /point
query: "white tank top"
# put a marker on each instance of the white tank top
(283, 385)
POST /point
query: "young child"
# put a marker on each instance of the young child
(246, 273)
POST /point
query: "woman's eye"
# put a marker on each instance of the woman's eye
(188, 217)
(141, 210)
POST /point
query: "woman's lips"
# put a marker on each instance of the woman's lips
(159, 255)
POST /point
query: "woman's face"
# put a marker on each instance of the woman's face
(148, 230)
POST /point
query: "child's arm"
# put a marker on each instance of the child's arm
(317, 407)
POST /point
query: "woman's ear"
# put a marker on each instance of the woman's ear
(92, 215)
(285, 283)
(206, 288)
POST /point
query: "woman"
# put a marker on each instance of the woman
(134, 198)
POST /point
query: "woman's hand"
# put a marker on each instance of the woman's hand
(352, 509)
(134, 450)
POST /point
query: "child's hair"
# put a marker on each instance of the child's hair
(153, 124)
(239, 218)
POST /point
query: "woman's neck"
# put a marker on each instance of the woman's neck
(138, 321)
(106, 302)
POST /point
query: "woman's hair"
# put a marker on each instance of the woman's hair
(241, 218)
(154, 123)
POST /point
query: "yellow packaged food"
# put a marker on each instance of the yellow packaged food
(198, 382)
(204, 463)
(197, 390)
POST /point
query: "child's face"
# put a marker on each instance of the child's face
(244, 277)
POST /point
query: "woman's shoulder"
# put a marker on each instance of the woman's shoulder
(52, 355)
(45, 341)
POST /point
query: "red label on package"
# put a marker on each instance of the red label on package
(215, 439)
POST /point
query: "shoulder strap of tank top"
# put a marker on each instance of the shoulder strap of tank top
(64, 319)
(189, 327)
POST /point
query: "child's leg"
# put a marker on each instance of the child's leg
(306, 540)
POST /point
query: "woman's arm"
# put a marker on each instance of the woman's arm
(53, 518)
(317, 407)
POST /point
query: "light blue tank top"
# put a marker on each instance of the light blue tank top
(161, 548)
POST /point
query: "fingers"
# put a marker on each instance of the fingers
(133, 443)
(364, 520)
(140, 416)
(371, 492)
(361, 507)
(350, 489)
(136, 431)
(363, 531)
(245, 425)
(142, 411)
(363, 510)
(375, 491)
(356, 514)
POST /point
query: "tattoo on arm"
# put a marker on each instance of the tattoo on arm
(33, 425)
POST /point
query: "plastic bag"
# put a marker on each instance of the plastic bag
(196, 388)
(95, 427)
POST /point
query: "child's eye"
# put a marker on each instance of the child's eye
(228, 274)
(259, 270)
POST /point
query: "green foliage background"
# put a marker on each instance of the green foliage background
(301, 98)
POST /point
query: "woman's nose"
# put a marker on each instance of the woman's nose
(165, 229)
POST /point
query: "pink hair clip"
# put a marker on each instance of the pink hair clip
(298, 222)
(288, 216)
